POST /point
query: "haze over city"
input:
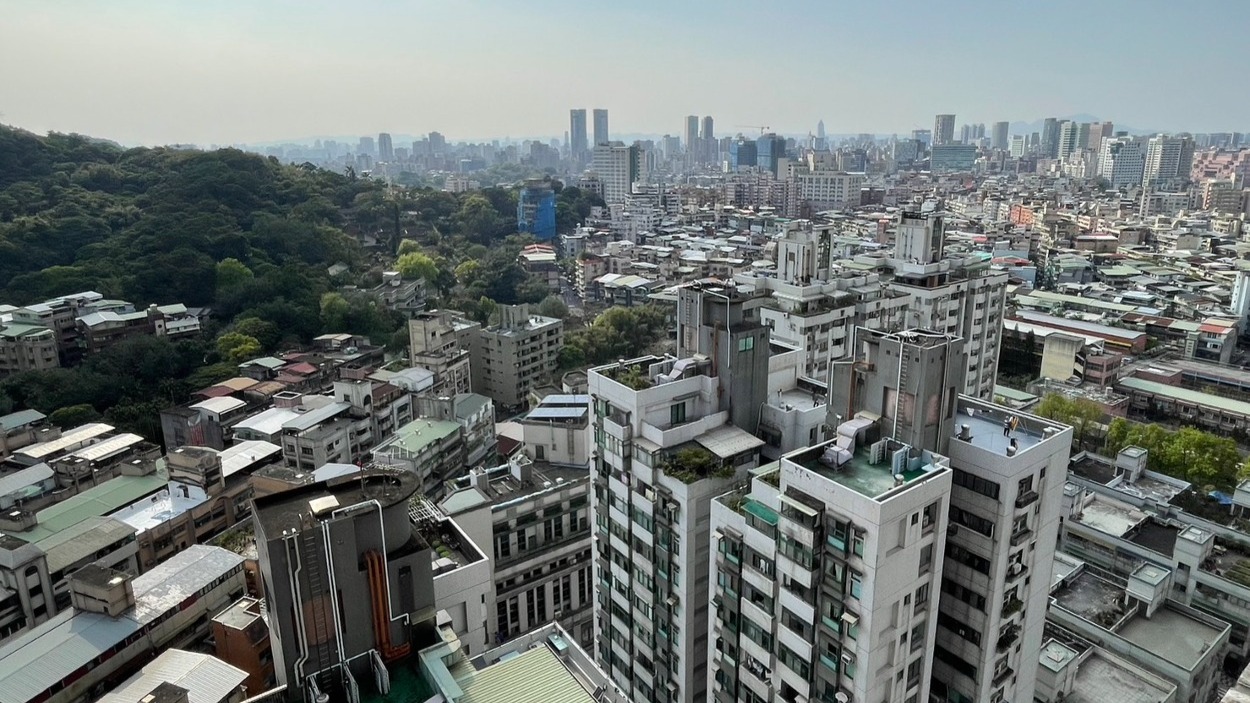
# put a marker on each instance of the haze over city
(232, 71)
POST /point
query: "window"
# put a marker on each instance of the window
(746, 344)
(975, 483)
(857, 585)
(677, 413)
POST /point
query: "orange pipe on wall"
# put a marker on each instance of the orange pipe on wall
(381, 608)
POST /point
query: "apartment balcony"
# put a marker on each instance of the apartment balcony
(1015, 572)
(1012, 607)
(1003, 675)
(1025, 499)
(1018, 538)
(1009, 638)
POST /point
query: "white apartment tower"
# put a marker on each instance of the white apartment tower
(1168, 162)
(828, 567)
(1122, 161)
(665, 445)
(617, 167)
(959, 296)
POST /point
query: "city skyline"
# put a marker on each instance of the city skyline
(252, 74)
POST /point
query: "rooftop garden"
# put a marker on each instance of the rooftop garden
(632, 376)
(696, 463)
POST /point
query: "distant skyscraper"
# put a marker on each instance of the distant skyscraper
(366, 146)
(578, 147)
(923, 136)
(820, 129)
(692, 134)
(708, 137)
(742, 153)
(438, 143)
(1050, 137)
(1122, 161)
(601, 126)
(943, 130)
(1067, 139)
(1017, 145)
(1168, 161)
(769, 149)
(1097, 132)
(386, 152)
(999, 138)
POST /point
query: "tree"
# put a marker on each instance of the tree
(265, 332)
(408, 246)
(334, 312)
(416, 265)
(552, 306)
(1082, 414)
(73, 416)
(237, 348)
(232, 273)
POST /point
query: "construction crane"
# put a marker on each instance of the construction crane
(761, 128)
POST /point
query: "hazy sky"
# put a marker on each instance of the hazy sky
(221, 71)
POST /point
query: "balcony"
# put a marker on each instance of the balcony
(1008, 638)
(1021, 536)
(1012, 607)
(1015, 571)
(1025, 499)
(1003, 675)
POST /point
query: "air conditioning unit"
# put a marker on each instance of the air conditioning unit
(848, 658)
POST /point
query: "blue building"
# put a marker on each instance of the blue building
(769, 149)
(741, 153)
(536, 209)
(947, 158)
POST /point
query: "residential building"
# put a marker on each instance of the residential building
(1122, 161)
(692, 138)
(312, 542)
(770, 149)
(433, 451)
(539, 261)
(24, 428)
(439, 340)
(26, 347)
(476, 416)
(179, 676)
(386, 151)
(828, 566)
(665, 447)
(1049, 143)
(116, 623)
(241, 639)
(617, 167)
(515, 355)
(960, 296)
(943, 130)
(1168, 162)
(203, 424)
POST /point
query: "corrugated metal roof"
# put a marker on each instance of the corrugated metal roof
(223, 404)
(55, 649)
(206, 678)
(20, 480)
(19, 419)
(727, 440)
(535, 676)
(316, 416)
(67, 439)
(73, 544)
(556, 413)
(110, 496)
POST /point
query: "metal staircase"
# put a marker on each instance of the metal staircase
(316, 605)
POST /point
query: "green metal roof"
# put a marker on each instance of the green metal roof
(1238, 407)
(418, 435)
(536, 676)
(103, 499)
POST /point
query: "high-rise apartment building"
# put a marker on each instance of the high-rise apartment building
(998, 138)
(618, 167)
(1068, 141)
(742, 153)
(1097, 132)
(439, 342)
(601, 126)
(1168, 161)
(665, 447)
(366, 147)
(386, 151)
(1122, 161)
(579, 149)
(1017, 145)
(516, 355)
(943, 130)
(958, 296)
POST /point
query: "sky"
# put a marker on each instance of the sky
(231, 71)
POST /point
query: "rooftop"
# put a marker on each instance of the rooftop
(161, 507)
(20, 418)
(290, 509)
(206, 678)
(503, 486)
(1172, 635)
(1101, 678)
(1155, 536)
(93, 502)
(1229, 405)
(78, 435)
(418, 435)
(52, 651)
(83, 540)
(1113, 518)
(246, 454)
(860, 473)
(240, 614)
(985, 425)
(1094, 599)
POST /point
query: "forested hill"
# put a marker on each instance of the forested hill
(244, 235)
(152, 225)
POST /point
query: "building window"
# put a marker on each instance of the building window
(746, 344)
(677, 413)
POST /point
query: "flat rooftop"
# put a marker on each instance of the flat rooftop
(1115, 519)
(1184, 395)
(502, 485)
(859, 474)
(103, 499)
(985, 422)
(1100, 679)
(288, 510)
(1155, 536)
(1095, 599)
(240, 614)
(1172, 635)
(161, 507)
